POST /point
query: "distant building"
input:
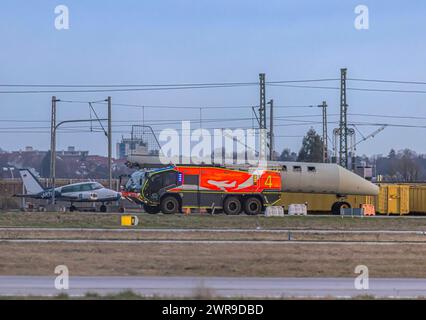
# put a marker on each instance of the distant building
(364, 171)
(129, 146)
(70, 164)
(72, 152)
(29, 150)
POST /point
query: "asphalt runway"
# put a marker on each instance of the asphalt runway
(215, 286)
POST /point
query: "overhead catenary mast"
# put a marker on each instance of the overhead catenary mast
(271, 130)
(343, 148)
(324, 132)
(262, 117)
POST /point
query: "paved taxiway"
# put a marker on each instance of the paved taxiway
(219, 286)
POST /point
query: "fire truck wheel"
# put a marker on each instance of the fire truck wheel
(253, 206)
(151, 209)
(335, 208)
(232, 206)
(169, 205)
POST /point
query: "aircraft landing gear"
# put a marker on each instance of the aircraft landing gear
(103, 208)
(72, 208)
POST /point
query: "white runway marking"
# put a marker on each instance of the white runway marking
(183, 230)
(253, 242)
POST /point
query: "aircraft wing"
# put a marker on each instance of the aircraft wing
(69, 198)
(34, 196)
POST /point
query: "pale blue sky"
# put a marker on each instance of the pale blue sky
(192, 41)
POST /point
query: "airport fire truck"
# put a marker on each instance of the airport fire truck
(215, 188)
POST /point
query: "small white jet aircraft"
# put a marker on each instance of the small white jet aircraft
(76, 192)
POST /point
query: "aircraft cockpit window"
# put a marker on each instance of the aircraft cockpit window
(96, 186)
(85, 187)
(72, 188)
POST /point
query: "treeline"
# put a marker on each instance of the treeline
(404, 166)
(311, 150)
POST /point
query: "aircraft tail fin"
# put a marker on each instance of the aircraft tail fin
(31, 183)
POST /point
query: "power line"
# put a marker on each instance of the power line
(114, 131)
(127, 85)
(351, 89)
(387, 116)
(387, 81)
(83, 102)
(389, 125)
(91, 88)
(203, 84)
(388, 90)
(76, 128)
(130, 85)
(195, 119)
(117, 90)
(166, 121)
(161, 122)
(137, 87)
(301, 123)
(183, 107)
(201, 107)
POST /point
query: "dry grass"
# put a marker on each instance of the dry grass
(7, 203)
(90, 220)
(281, 260)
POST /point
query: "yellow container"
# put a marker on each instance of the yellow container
(418, 198)
(392, 199)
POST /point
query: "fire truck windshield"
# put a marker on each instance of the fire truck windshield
(136, 181)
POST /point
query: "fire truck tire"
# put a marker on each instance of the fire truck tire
(253, 206)
(232, 206)
(335, 208)
(151, 209)
(169, 205)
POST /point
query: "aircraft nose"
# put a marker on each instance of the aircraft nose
(351, 183)
(371, 188)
